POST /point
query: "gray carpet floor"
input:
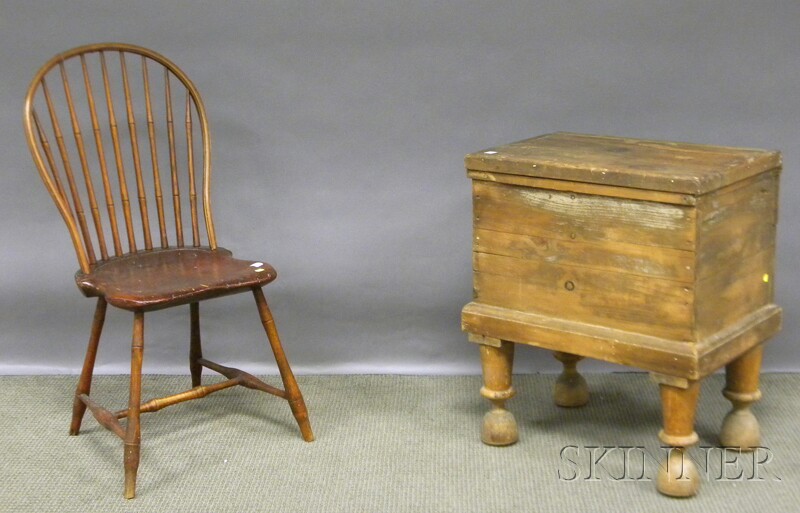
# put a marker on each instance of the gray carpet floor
(384, 444)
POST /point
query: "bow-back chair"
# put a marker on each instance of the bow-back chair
(95, 169)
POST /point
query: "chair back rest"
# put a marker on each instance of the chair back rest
(92, 89)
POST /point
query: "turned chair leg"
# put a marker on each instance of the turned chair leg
(85, 381)
(133, 433)
(293, 393)
(571, 390)
(678, 477)
(195, 349)
(499, 425)
(740, 428)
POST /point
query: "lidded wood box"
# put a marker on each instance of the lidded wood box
(654, 254)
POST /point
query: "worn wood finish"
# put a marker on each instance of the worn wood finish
(103, 417)
(591, 189)
(171, 277)
(653, 307)
(133, 433)
(85, 382)
(676, 358)
(693, 169)
(740, 427)
(591, 341)
(243, 378)
(652, 254)
(736, 222)
(646, 261)
(195, 348)
(236, 378)
(155, 270)
(573, 216)
(160, 403)
(725, 346)
(293, 394)
(499, 425)
(734, 292)
(736, 252)
(679, 476)
(570, 390)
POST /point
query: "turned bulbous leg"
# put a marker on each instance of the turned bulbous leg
(740, 428)
(678, 477)
(499, 425)
(571, 390)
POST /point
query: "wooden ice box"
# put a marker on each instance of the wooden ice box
(657, 255)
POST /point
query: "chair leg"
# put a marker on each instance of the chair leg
(195, 349)
(133, 434)
(295, 398)
(85, 381)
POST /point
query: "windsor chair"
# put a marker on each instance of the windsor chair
(146, 274)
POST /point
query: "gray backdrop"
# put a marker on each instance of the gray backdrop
(339, 131)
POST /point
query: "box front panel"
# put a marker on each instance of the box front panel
(613, 262)
(584, 217)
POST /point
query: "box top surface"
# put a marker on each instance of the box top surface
(641, 164)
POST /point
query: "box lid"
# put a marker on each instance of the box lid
(640, 164)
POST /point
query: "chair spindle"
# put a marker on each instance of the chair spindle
(48, 152)
(190, 163)
(87, 176)
(101, 158)
(151, 134)
(123, 187)
(70, 177)
(173, 162)
(137, 165)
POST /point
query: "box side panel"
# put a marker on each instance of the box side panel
(736, 252)
(735, 223)
(728, 296)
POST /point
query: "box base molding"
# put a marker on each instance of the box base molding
(691, 360)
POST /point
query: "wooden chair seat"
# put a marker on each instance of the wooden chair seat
(169, 277)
